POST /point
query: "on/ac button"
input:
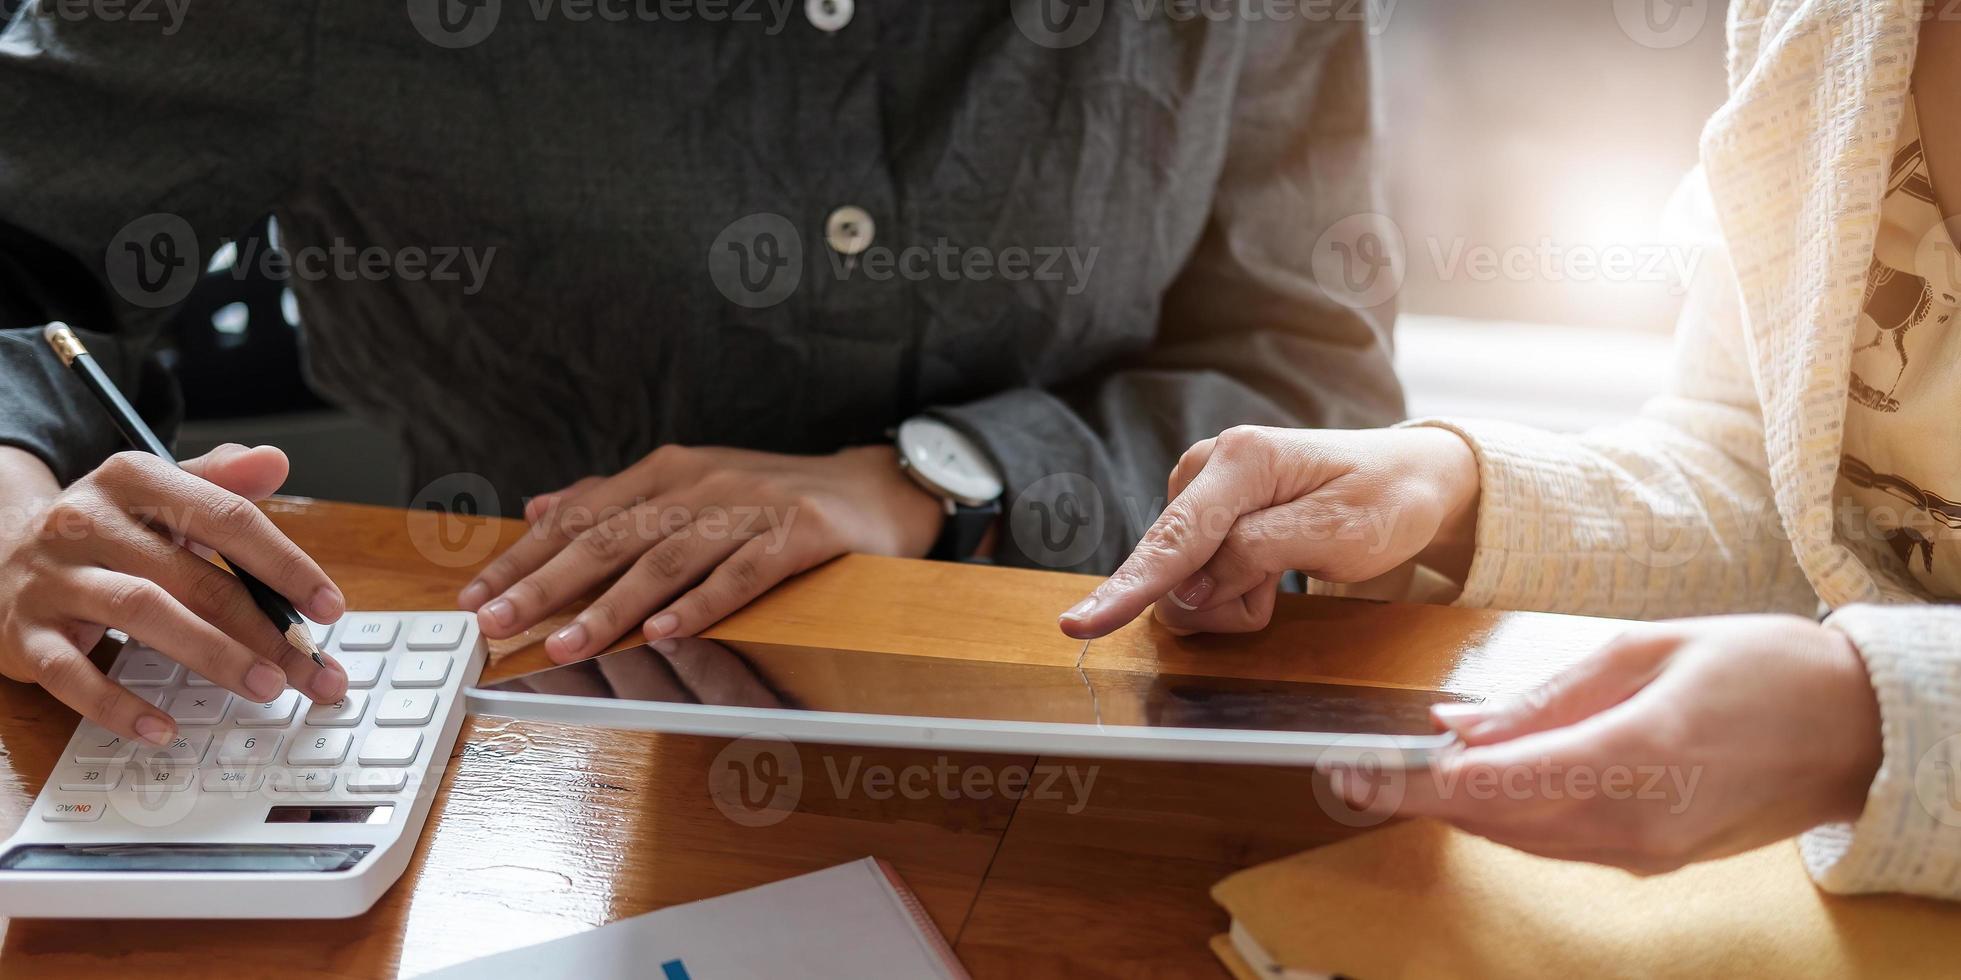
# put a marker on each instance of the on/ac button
(76, 811)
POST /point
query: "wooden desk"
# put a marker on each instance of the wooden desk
(540, 831)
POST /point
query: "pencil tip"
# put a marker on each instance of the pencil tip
(301, 637)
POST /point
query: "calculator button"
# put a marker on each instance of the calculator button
(172, 778)
(199, 680)
(72, 810)
(74, 778)
(199, 707)
(406, 708)
(96, 745)
(319, 631)
(420, 670)
(248, 748)
(378, 781)
(368, 632)
(390, 748)
(344, 713)
(363, 669)
(318, 749)
(266, 714)
(146, 669)
(437, 632)
(243, 779)
(300, 781)
(185, 749)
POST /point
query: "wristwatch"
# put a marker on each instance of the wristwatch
(955, 469)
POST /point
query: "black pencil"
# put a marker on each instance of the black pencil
(72, 353)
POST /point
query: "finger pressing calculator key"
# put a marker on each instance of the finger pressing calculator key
(204, 706)
(345, 713)
(267, 714)
(326, 794)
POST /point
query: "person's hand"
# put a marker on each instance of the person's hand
(1677, 742)
(1256, 502)
(684, 670)
(693, 535)
(114, 550)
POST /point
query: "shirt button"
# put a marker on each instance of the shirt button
(828, 16)
(849, 230)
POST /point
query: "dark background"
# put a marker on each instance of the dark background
(1505, 124)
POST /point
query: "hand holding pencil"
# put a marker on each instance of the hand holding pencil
(113, 550)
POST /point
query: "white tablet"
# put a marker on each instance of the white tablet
(851, 697)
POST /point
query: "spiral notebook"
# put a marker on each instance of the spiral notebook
(855, 920)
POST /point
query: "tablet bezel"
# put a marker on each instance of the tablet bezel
(1107, 741)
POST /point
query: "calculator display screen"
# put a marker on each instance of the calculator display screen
(765, 675)
(259, 858)
(330, 814)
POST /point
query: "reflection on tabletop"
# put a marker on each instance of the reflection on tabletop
(768, 675)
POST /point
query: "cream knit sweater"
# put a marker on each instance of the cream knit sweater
(1720, 497)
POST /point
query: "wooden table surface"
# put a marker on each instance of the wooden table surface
(540, 831)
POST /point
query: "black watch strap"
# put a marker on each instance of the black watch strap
(963, 531)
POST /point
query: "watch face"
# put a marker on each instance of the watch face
(949, 460)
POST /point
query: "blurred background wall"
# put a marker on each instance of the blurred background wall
(1517, 122)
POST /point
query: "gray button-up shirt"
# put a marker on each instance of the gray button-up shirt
(538, 244)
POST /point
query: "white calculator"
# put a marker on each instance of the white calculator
(277, 810)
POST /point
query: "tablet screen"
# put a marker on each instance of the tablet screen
(763, 675)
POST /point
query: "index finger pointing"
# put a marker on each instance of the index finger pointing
(1179, 543)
